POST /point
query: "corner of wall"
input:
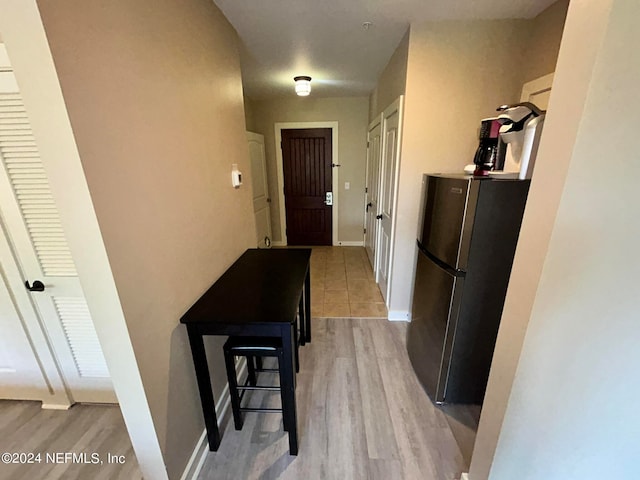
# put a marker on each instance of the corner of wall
(249, 115)
(393, 79)
(580, 43)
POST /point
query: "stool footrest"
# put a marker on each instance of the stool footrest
(261, 410)
(258, 387)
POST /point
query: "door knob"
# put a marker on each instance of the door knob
(368, 206)
(37, 286)
(378, 217)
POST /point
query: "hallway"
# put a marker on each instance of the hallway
(361, 415)
(343, 285)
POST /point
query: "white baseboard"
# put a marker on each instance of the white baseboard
(465, 476)
(351, 244)
(399, 316)
(199, 455)
(56, 406)
(280, 243)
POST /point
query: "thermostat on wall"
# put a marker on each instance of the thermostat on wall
(236, 176)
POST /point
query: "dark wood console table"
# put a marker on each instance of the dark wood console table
(259, 295)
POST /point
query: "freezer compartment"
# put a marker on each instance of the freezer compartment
(448, 206)
(436, 302)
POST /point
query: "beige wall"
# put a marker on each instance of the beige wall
(249, 117)
(457, 73)
(351, 115)
(541, 52)
(155, 100)
(572, 411)
(575, 69)
(392, 81)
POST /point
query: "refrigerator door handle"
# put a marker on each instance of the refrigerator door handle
(447, 268)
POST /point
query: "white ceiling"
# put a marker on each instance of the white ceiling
(325, 39)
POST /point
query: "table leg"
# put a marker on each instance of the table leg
(204, 386)
(303, 320)
(296, 349)
(288, 386)
(307, 305)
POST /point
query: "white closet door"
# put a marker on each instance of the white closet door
(20, 374)
(261, 200)
(390, 165)
(35, 233)
(374, 150)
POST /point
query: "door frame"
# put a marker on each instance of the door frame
(279, 126)
(536, 85)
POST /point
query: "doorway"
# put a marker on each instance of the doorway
(259, 182)
(372, 184)
(307, 178)
(36, 261)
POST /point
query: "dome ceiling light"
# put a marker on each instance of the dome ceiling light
(303, 85)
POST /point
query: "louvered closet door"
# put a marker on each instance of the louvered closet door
(32, 222)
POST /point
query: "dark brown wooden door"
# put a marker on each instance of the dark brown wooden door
(306, 156)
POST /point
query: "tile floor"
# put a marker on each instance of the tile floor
(342, 284)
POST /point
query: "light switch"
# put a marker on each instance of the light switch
(347, 185)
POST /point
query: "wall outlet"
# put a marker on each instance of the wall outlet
(347, 185)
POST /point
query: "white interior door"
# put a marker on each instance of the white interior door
(20, 374)
(261, 200)
(374, 141)
(390, 162)
(538, 91)
(28, 369)
(40, 250)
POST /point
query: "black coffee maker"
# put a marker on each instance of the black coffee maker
(491, 151)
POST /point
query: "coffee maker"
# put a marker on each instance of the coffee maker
(490, 154)
(521, 129)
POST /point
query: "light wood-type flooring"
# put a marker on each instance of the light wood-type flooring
(361, 412)
(342, 284)
(90, 429)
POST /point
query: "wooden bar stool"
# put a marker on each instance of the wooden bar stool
(258, 348)
(300, 340)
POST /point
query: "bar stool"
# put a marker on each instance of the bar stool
(258, 348)
(300, 340)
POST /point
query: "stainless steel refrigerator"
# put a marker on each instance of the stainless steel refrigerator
(466, 242)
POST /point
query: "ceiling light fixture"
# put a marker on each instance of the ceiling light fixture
(303, 85)
(367, 25)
